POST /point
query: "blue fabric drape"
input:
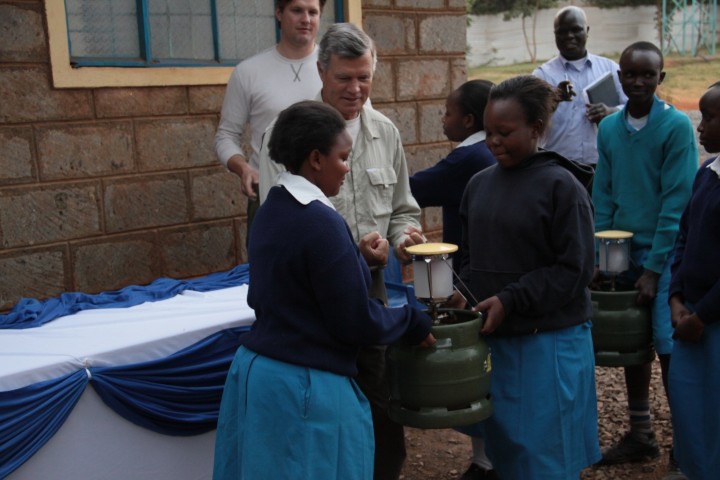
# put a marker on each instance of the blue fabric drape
(176, 395)
(29, 312)
(29, 416)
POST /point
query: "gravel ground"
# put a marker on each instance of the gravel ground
(445, 454)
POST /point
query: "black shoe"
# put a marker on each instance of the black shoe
(673, 471)
(633, 447)
(476, 472)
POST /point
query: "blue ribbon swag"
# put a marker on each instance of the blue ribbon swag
(30, 416)
(176, 395)
(30, 313)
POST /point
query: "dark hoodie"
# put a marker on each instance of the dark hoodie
(528, 235)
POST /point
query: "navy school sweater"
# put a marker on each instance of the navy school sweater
(309, 289)
(696, 269)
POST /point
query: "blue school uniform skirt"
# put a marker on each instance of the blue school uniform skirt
(694, 394)
(659, 310)
(279, 420)
(544, 424)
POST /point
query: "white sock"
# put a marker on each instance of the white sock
(479, 457)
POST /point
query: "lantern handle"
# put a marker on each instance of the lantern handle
(462, 284)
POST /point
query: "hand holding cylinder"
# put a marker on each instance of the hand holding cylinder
(494, 313)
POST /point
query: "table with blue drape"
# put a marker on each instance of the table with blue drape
(169, 390)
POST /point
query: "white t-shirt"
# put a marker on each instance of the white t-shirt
(258, 90)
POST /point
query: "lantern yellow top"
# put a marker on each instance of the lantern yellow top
(431, 249)
(614, 234)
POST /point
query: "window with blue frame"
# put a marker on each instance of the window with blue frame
(168, 33)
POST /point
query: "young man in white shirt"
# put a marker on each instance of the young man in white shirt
(266, 83)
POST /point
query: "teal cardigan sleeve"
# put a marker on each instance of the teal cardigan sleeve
(678, 171)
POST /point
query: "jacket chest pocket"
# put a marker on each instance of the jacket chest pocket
(382, 181)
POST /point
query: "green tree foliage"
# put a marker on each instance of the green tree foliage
(509, 8)
(526, 8)
(513, 9)
(621, 3)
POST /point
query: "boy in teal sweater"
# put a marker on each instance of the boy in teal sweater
(647, 162)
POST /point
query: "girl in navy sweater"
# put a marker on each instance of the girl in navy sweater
(291, 408)
(443, 184)
(694, 378)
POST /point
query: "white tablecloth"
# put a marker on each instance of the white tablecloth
(94, 442)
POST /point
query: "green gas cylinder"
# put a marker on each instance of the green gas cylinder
(446, 385)
(622, 330)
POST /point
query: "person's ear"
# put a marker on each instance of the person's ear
(278, 14)
(662, 77)
(468, 120)
(537, 128)
(314, 160)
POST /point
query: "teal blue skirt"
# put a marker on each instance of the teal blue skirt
(694, 393)
(279, 420)
(544, 424)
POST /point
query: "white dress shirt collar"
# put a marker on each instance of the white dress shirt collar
(476, 137)
(715, 165)
(302, 189)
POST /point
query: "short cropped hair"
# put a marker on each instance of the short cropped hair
(644, 47)
(281, 4)
(537, 98)
(571, 10)
(472, 99)
(346, 41)
(300, 129)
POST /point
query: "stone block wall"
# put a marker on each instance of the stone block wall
(103, 188)
(108, 187)
(421, 59)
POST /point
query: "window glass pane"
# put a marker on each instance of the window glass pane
(181, 29)
(245, 27)
(327, 18)
(102, 28)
